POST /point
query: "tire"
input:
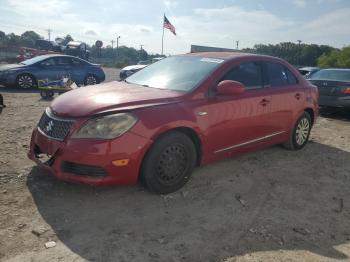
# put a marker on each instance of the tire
(47, 94)
(169, 163)
(90, 80)
(26, 81)
(300, 134)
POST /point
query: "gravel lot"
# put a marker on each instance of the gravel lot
(269, 205)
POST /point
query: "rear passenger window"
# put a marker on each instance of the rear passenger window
(279, 75)
(249, 74)
(292, 80)
(63, 61)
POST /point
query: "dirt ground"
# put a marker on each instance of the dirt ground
(269, 205)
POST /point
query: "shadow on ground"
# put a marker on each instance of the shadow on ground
(334, 113)
(4, 89)
(268, 200)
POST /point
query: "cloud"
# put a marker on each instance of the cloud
(144, 29)
(170, 4)
(90, 32)
(38, 7)
(331, 26)
(217, 26)
(300, 3)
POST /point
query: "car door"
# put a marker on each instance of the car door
(47, 70)
(242, 120)
(78, 70)
(63, 66)
(287, 95)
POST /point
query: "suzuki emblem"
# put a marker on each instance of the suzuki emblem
(49, 126)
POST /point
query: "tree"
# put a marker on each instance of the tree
(336, 58)
(28, 38)
(294, 53)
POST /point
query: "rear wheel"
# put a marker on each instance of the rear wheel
(90, 80)
(26, 81)
(301, 132)
(169, 163)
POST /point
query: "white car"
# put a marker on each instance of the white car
(129, 70)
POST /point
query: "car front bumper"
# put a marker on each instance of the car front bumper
(90, 161)
(335, 101)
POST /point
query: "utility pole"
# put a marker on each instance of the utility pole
(49, 33)
(113, 56)
(299, 43)
(117, 44)
(237, 43)
(140, 53)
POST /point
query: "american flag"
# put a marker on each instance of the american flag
(168, 25)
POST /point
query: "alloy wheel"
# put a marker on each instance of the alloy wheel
(25, 81)
(91, 80)
(302, 131)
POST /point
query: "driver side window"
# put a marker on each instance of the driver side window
(249, 74)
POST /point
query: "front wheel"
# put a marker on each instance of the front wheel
(26, 81)
(300, 134)
(169, 163)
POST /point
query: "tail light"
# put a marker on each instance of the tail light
(346, 90)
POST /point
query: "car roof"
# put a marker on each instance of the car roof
(308, 68)
(337, 69)
(56, 55)
(228, 55)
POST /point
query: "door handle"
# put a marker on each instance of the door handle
(297, 96)
(203, 113)
(264, 102)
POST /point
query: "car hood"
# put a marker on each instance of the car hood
(110, 97)
(133, 67)
(10, 66)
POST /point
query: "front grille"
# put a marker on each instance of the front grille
(54, 127)
(82, 170)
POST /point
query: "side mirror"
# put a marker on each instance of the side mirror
(230, 87)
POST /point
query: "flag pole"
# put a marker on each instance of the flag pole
(163, 33)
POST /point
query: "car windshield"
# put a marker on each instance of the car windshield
(338, 75)
(179, 73)
(33, 60)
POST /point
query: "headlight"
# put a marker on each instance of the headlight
(106, 127)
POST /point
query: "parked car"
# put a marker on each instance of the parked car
(334, 87)
(129, 70)
(78, 49)
(307, 71)
(181, 112)
(53, 67)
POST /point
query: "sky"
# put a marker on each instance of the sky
(217, 23)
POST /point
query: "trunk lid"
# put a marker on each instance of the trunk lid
(331, 87)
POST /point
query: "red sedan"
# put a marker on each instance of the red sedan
(179, 113)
